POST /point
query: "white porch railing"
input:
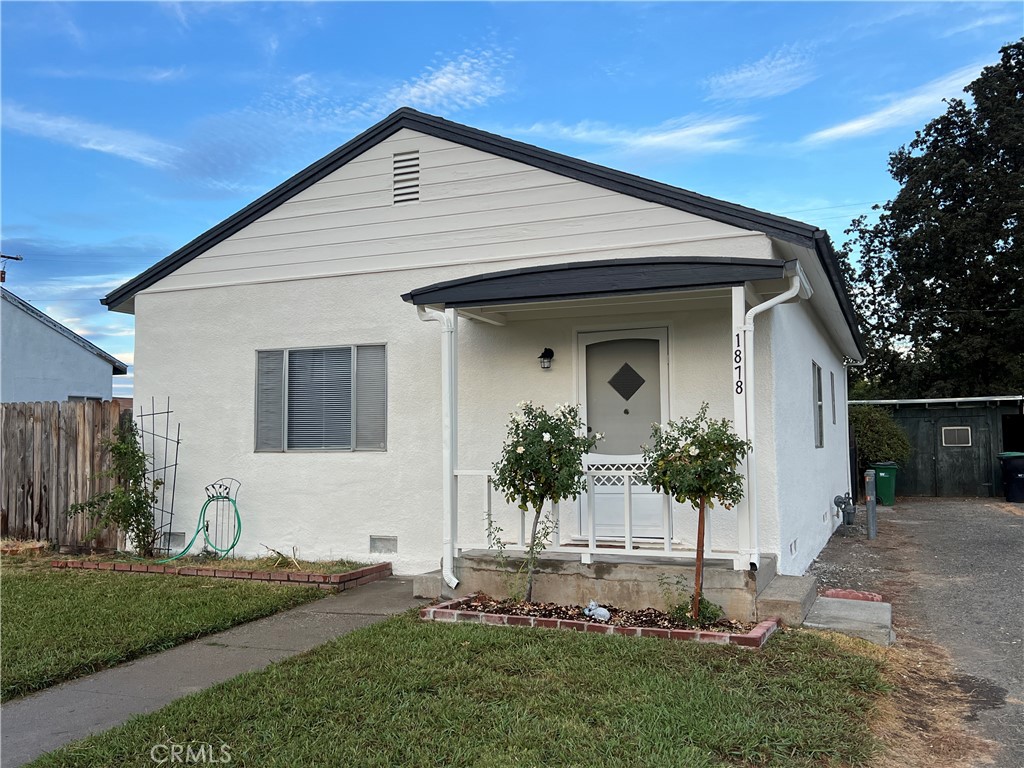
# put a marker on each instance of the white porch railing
(586, 543)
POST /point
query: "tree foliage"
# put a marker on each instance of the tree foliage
(697, 461)
(937, 281)
(879, 437)
(541, 460)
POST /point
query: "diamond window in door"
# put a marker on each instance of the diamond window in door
(626, 381)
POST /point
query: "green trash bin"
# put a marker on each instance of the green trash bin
(1013, 475)
(885, 482)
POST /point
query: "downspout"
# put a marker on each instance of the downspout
(449, 436)
(798, 286)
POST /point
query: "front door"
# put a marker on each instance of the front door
(623, 390)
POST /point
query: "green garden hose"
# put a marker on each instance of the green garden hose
(204, 527)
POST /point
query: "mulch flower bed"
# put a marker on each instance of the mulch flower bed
(646, 622)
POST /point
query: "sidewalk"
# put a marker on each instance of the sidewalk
(49, 719)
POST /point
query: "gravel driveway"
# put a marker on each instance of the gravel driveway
(953, 570)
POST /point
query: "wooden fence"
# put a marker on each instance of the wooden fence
(51, 456)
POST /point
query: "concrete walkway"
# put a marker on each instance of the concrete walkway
(52, 718)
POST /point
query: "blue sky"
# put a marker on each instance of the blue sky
(130, 128)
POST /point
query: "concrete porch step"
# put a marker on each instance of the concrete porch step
(857, 618)
(788, 598)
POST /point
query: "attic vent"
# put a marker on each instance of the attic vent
(406, 177)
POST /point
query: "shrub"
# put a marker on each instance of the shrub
(697, 461)
(541, 460)
(878, 436)
(129, 504)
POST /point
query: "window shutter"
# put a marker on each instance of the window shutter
(371, 398)
(270, 401)
(320, 398)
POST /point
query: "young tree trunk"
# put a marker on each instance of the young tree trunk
(698, 578)
(531, 555)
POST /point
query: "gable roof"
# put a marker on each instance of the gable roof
(739, 216)
(119, 368)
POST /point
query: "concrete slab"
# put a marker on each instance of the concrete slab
(52, 718)
(787, 597)
(428, 585)
(857, 618)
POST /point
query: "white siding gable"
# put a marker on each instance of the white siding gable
(474, 207)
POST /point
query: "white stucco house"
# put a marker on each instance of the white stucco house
(350, 345)
(43, 361)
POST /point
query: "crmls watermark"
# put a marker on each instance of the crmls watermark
(191, 753)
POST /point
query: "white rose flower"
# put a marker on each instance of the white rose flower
(600, 435)
(520, 449)
(694, 450)
(547, 437)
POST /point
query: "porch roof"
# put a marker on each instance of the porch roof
(595, 279)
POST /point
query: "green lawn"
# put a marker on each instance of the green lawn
(407, 693)
(57, 625)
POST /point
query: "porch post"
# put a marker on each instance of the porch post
(740, 394)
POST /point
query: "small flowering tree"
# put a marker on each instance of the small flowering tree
(696, 460)
(541, 460)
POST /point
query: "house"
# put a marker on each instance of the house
(350, 345)
(955, 443)
(44, 361)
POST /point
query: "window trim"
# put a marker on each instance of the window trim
(968, 444)
(284, 399)
(818, 401)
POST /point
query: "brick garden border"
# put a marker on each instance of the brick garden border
(331, 581)
(449, 612)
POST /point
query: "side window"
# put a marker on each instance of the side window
(819, 406)
(832, 379)
(322, 399)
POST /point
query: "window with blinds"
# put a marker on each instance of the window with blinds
(323, 399)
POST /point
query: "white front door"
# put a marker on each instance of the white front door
(623, 390)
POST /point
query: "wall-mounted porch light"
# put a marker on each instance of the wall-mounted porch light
(545, 358)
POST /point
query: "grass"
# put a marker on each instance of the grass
(411, 693)
(58, 625)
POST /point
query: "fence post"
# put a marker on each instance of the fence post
(872, 511)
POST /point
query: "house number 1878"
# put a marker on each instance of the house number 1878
(737, 364)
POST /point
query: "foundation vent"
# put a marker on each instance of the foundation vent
(405, 178)
(383, 545)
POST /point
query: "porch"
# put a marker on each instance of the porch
(609, 303)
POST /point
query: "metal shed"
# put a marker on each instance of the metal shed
(955, 443)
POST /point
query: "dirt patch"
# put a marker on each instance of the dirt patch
(852, 561)
(1007, 507)
(949, 568)
(921, 723)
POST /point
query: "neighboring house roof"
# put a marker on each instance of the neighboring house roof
(779, 227)
(120, 369)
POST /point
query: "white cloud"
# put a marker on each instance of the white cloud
(83, 134)
(693, 133)
(129, 75)
(908, 109)
(777, 73)
(469, 80)
(983, 21)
